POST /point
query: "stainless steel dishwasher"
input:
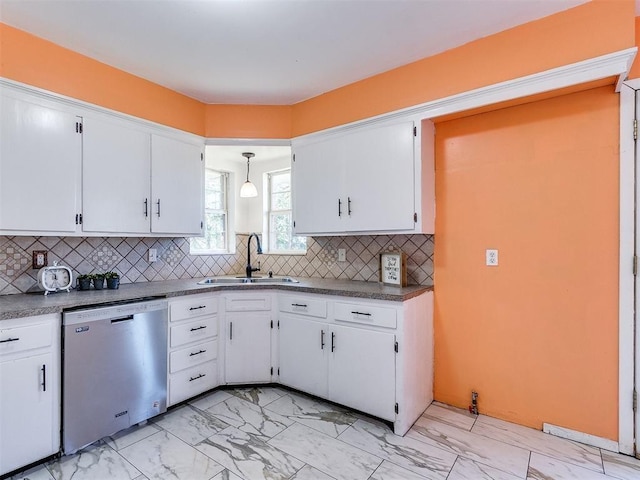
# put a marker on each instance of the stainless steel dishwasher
(114, 369)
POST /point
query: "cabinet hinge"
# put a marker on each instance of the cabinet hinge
(271, 370)
(635, 400)
(396, 408)
(395, 347)
(635, 265)
(415, 131)
(635, 128)
(415, 217)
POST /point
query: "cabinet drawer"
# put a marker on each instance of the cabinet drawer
(248, 303)
(200, 329)
(192, 307)
(311, 307)
(365, 314)
(192, 381)
(195, 355)
(19, 339)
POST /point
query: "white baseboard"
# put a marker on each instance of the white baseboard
(585, 438)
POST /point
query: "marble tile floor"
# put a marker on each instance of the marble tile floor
(276, 434)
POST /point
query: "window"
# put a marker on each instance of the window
(216, 217)
(280, 228)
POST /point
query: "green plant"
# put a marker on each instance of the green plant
(98, 276)
(84, 276)
(109, 275)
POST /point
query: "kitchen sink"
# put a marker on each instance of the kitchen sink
(245, 280)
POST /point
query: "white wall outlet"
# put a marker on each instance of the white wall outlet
(342, 255)
(153, 255)
(492, 258)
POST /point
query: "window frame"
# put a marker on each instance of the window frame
(226, 199)
(268, 211)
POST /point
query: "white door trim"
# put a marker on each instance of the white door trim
(626, 287)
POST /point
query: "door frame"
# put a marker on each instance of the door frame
(626, 286)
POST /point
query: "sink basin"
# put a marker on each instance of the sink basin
(244, 280)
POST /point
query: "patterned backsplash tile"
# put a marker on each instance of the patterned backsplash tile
(128, 256)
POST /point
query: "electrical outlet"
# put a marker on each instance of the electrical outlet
(342, 255)
(492, 258)
(153, 255)
(39, 259)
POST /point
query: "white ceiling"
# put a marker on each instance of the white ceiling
(266, 51)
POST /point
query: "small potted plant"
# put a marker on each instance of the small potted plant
(83, 282)
(98, 281)
(113, 280)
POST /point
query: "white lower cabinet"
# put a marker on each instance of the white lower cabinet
(193, 347)
(362, 370)
(303, 354)
(29, 390)
(248, 326)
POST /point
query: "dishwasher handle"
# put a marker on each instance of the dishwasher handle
(121, 319)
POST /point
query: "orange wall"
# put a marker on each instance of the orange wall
(34, 61)
(536, 336)
(248, 121)
(589, 30)
(635, 68)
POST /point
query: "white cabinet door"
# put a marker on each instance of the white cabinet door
(176, 186)
(40, 165)
(303, 354)
(116, 182)
(248, 347)
(362, 370)
(26, 411)
(317, 184)
(379, 165)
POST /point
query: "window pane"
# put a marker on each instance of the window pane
(281, 201)
(281, 182)
(214, 238)
(281, 231)
(214, 190)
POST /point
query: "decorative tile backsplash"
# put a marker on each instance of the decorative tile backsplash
(128, 256)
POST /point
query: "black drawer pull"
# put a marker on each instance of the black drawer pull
(333, 341)
(44, 378)
(9, 340)
(196, 378)
(198, 308)
(321, 339)
(197, 353)
(302, 305)
(361, 313)
(198, 328)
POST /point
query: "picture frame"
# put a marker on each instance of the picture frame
(393, 269)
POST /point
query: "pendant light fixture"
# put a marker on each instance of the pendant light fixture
(248, 189)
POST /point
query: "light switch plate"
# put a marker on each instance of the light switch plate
(342, 255)
(153, 255)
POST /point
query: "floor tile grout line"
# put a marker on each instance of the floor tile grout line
(375, 470)
(452, 467)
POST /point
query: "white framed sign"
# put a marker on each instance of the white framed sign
(393, 269)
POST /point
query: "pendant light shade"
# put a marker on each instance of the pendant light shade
(248, 189)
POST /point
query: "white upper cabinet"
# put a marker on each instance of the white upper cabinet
(40, 165)
(372, 179)
(116, 178)
(177, 175)
(67, 168)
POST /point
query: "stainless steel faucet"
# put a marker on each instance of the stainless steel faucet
(251, 269)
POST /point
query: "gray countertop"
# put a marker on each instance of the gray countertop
(24, 305)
